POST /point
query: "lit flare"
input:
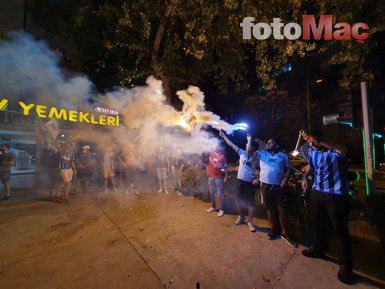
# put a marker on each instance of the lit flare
(296, 151)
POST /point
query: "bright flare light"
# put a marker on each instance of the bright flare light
(183, 124)
(241, 126)
(296, 152)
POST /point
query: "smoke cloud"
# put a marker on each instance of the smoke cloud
(31, 72)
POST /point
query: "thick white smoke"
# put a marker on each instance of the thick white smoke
(30, 71)
(149, 123)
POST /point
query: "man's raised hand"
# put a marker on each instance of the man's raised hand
(304, 135)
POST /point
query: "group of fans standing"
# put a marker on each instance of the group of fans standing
(274, 173)
(326, 166)
(119, 170)
(326, 169)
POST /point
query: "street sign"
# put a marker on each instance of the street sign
(329, 119)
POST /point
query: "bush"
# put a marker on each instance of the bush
(194, 183)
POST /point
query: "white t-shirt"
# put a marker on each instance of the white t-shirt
(272, 167)
(247, 166)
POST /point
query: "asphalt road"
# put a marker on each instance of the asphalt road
(145, 242)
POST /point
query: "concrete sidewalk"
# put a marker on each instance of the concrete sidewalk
(149, 241)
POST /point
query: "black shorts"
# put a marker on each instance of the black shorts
(84, 174)
(5, 176)
(274, 196)
(246, 192)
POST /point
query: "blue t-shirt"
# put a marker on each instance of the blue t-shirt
(330, 171)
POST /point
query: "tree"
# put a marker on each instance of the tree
(197, 41)
(273, 111)
(181, 42)
(354, 60)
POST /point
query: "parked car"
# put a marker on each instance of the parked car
(23, 160)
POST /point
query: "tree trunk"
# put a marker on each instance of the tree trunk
(159, 36)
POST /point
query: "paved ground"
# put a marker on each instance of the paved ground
(145, 242)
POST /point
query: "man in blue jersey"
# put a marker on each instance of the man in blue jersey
(274, 175)
(245, 195)
(329, 197)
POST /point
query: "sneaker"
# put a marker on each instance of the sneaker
(210, 210)
(312, 253)
(289, 240)
(272, 235)
(136, 192)
(251, 226)
(106, 191)
(160, 191)
(166, 192)
(179, 194)
(115, 190)
(239, 221)
(221, 213)
(346, 275)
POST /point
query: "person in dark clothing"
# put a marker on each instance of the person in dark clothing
(7, 160)
(329, 198)
(51, 163)
(85, 163)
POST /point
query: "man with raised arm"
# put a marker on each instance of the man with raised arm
(248, 161)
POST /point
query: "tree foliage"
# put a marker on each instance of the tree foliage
(354, 60)
(277, 110)
(197, 41)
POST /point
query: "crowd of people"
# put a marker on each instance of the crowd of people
(109, 169)
(118, 169)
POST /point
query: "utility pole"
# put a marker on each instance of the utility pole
(368, 140)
